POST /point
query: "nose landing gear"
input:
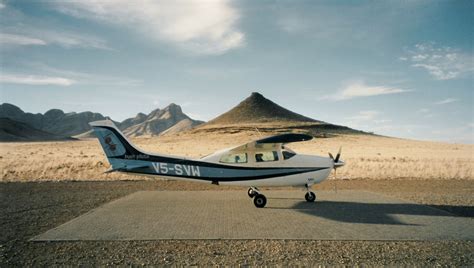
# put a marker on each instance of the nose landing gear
(310, 196)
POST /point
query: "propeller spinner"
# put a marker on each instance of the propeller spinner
(336, 161)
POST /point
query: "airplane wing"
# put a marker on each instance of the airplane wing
(272, 142)
(285, 138)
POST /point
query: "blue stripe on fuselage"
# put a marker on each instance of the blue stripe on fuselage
(216, 172)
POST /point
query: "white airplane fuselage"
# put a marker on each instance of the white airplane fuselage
(298, 161)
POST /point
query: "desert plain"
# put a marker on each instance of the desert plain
(45, 184)
(366, 156)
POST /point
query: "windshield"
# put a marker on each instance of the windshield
(266, 156)
(287, 154)
(234, 158)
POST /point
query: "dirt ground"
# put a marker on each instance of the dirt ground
(31, 208)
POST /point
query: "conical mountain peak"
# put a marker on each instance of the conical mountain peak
(173, 108)
(258, 109)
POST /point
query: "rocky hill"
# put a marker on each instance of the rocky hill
(258, 112)
(11, 130)
(54, 121)
(139, 118)
(183, 125)
(170, 119)
(258, 109)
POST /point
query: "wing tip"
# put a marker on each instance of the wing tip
(102, 123)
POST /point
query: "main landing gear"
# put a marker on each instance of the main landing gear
(260, 200)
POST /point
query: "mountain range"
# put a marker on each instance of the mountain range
(255, 111)
(57, 125)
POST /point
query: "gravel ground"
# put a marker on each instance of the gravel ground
(29, 209)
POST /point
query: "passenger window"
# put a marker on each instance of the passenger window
(287, 155)
(266, 156)
(234, 158)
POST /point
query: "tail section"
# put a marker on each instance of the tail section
(116, 146)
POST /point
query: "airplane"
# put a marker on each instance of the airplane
(264, 162)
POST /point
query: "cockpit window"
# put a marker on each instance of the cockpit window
(266, 156)
(287, 154)
(234, 158)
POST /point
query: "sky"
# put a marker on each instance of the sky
(396, 68)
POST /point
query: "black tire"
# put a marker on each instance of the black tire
(251, 193)
(310, 196)
(260, 200)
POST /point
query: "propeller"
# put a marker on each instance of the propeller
(336, 165)
(338, 155)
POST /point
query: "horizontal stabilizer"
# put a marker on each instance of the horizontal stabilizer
(126, 169)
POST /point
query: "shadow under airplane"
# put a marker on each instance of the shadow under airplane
(374, 213)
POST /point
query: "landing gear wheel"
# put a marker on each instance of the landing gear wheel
(310, 196)
(260, 200)
(251, 192)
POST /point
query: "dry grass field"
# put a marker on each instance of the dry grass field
(366, 157)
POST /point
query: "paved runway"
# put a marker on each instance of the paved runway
(347, 215)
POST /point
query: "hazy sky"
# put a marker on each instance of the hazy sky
(399, 68)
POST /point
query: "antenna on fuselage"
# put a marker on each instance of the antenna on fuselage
(258, 132)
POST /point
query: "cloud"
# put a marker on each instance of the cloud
(360, 89)
(443, 63)
(35, 80)
(72, 40)
(369, 120)
(364, 115)
(446, 101)
(30, 36)
(372, 121)
(203, 27)
(365, 25)
(21, 40)
(367, 116)
(87, 78)
(294, 24)
(19, 29)
(463, 133)
(425, 112)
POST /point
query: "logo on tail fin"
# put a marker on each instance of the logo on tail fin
(108, 140)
